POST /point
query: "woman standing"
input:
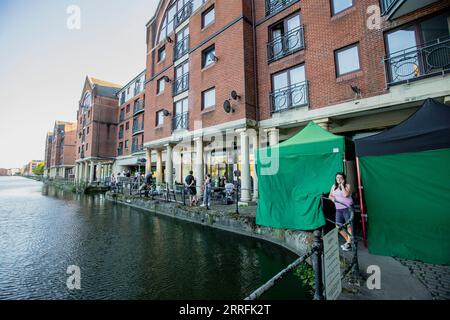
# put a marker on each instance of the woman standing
(341, 194)
(207, 192)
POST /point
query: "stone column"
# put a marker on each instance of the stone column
(86, 172)
(169, 165)
(324, 123)
(148, 164)
(245, 167)
(255, 143)
(91, 172)
(274, 136)
(159, 167)
(199, 166)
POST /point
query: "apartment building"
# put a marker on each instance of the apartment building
(97, 129)
(226, 77)
(48, 153)
(130, 136)
(28, 169)
(60, 150)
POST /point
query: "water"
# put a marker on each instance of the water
(124, 253)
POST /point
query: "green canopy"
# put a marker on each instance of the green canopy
(293, 175)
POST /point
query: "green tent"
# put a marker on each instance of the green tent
(405, 172)
(293, 175)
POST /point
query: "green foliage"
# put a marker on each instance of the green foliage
(305, 273)
(39, 169)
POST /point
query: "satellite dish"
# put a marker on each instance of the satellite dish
(234, 95)
(166, 79)
(166, 113)
(227, 107)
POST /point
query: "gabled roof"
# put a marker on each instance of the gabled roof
(104, 83)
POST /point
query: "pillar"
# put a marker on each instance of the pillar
(169, 165)
(91, 172)
(86, 172)
(148, 164)
(255, 143)
(324, 123)
(199, 167)
(245, 170)
(274, 136)
(159, 167)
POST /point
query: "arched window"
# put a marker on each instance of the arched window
(87, 101)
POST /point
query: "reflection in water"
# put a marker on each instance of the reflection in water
(123, 253)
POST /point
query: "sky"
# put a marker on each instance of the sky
(44, 63)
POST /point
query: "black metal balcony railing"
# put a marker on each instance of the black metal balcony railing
(138, 127)
(418, 62)
(135, 148)
(180, 121)
(273, 6)
(121, 134)
(181, 84)
(183, 14)
(138, 107)
(287, 44)
(291, 97)
(181, 48)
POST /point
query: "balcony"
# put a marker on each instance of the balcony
(138, 128)
(181, 48)
(291, 97)
(274, 6)
(418, 62)
(394, 9)
(183, 14)
(287, 44)
(180, 121)
(136, 148)
(138, 108)
(181, 84)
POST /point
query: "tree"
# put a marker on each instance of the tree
(39, 169)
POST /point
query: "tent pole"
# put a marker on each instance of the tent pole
(361, 202)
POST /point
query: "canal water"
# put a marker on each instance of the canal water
(124, 253)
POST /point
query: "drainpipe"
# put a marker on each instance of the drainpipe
(255, 64)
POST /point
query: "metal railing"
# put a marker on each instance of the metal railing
(181, 84)
(181, 48)
(180, 121)
(291, 97)
(273, 6)
(286, 44)
(183, 14)
(138, 107)
(135, 148)
(417, 62)
(138, 127)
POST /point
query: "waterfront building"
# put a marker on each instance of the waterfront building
(257, 71)
(60, 151)
(130, 136)
(97, 129)
(28, 169)
(4, 172)
(48, 153)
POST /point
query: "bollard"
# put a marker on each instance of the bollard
(317, 265)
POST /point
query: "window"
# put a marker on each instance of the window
(128, 108)
(162, 53)
(161, 85)
(126, 144)
(181, 83)
(181, 115)
(340, 5)
(286, 37)
(87, 130)
(79, 150)
(122, 97)
(182, 43)
(407, 59)
(209, 98)
(160, 118)
(209, 56)
(289, 89)
(87, 146)
(127, 125)
(208, 17)
(347, 60)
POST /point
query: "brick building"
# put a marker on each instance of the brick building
(60, 151)
(130, 136)
(97, 129)
(221, 75)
